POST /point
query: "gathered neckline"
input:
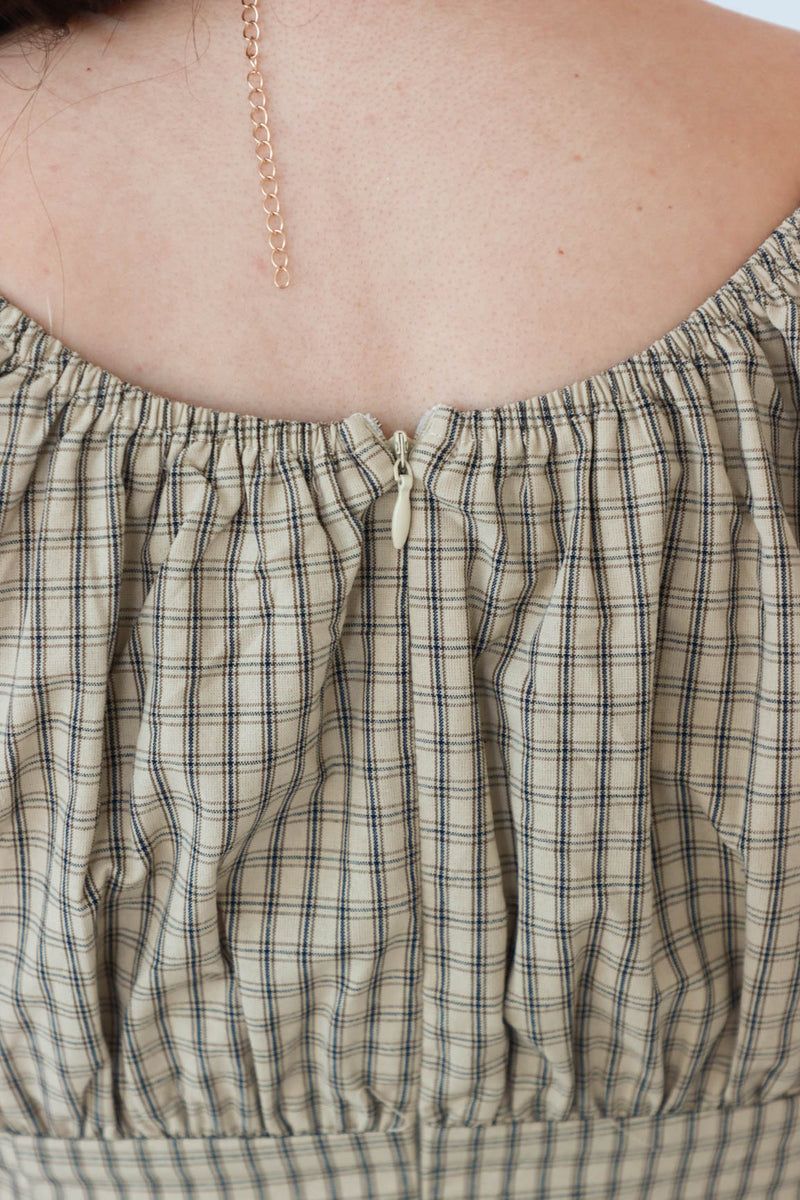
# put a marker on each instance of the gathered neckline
(777, 256)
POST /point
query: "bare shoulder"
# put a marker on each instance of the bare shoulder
(760, 62)
(764, 37)
(769, 56)
(57, 152)
(130, 220)
(31, 99)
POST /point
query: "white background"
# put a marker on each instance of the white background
(781, 12)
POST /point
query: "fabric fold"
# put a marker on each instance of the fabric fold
(437, 861)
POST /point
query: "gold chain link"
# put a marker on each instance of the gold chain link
(256, 107)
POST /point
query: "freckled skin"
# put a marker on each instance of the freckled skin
(481, 201)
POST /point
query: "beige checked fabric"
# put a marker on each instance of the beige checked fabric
(464, 871)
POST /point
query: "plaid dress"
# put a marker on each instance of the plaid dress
(465, 870)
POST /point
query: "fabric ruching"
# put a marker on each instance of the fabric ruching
(302, 835)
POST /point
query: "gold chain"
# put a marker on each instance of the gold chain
(270, 197)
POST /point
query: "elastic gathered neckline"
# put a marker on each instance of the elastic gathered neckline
(769, 274)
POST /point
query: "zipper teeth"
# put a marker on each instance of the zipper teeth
(388, 442)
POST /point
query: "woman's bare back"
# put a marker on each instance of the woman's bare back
(481, 202)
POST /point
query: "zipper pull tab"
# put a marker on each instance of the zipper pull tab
(404, 477)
